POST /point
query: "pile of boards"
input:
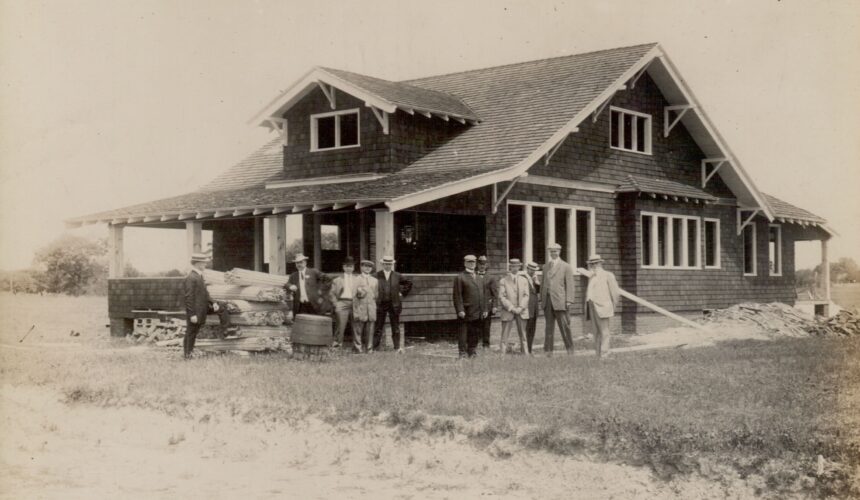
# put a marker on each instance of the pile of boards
(777, 319)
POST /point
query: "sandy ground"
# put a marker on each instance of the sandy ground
(53, 450)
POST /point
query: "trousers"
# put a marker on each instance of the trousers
(192, 329)
(506, 328)
(342, 317)
(601, 331)
(384, 309)
(552, 317)
(469, 334)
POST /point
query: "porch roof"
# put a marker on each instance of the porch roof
(664, 187)
(786, 212)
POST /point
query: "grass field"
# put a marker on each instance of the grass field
(847, 295)
(761, 411)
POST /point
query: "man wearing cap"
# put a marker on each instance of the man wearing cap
(304, 286)
(601, 298)
(392, 287)
(556, 295)
(342, 292)
(364, 308)
(493, 283)
(514, 298)
(198, 304)
(534, 302)
(470, 293)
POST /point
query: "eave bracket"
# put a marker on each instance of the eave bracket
(328, 90)
(668, 125)
(742, 223)
(497, 199)
(381, 116)
(706, 175)
(279, 125)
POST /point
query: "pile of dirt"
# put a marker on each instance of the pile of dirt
(777, 319)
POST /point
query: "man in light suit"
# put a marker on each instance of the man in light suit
(304, 285)
(364, 308)
(534, 302)
(471, 297)
(514, 298)
(601, 298)
(556, 295)
(342, 292)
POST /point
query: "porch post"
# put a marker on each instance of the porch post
(193, 238)
(115, 250)
(527, 235)
(258, 244)
(550, 230)
(362, 235)
(825, 273)
(278, 244)
(317, 241)
(384, 234)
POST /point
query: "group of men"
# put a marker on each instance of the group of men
(520, 295)
(363, 300)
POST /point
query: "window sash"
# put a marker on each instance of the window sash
(629, 130)
(749, 251)
(338, 142)
(670, 241)
(712, 251)
(531, 251)
(774, 248)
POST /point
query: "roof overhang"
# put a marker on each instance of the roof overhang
(317, 76)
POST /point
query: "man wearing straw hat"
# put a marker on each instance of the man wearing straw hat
(556, 295)
(304, 286)
(601, 298)
(342, 293)
(364, 308)
(534, 302)
(198, 304)
(393, 286)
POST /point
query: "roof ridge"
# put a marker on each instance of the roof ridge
(428, 77)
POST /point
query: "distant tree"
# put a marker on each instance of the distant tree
(173, 273)
(71, 264)
(131, 272)
(844, 270)
(293, 249)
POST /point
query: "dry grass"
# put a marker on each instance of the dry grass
(847, 295)
(757, 409)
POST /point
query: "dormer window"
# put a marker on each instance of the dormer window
(335, 130)
(629, 130)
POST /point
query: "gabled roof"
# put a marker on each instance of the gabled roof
(664, 188)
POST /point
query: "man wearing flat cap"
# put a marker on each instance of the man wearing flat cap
(304, 285)
(514, 299)
(198, 304)
(470, 296)
(364, 308)
(557, 295)
(601, 298)
(342, 293)
(493, 283)
(393, 286)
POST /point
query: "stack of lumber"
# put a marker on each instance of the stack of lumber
(252, 293)
(213, 277)
(256, 344)
(161, 331)
(777, 319)
(845, 323)
(245, 277)
(275, 317)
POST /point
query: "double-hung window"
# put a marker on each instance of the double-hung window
(335, 130)
(749, 250)
(670, 241)
(629, 130)
(774, 249)
(712, 243)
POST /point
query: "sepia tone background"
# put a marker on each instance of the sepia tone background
(107, 104)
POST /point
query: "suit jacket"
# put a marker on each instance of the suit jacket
(603, 292)
(513, 294)
(196, 297)
(364, 307)
(312, 287)
(534, 294)
(471, 295)
(558, 285)
(397, 287)
(337, 287)
(493, 284)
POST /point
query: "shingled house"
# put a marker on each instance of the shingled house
(605, 152)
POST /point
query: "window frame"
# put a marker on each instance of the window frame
(717, 242)
(778, 227)
(570, 251)
(314, 118)
(670, 251)
(649, 136)
(754, 250)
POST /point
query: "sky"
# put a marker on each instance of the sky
(105, 104)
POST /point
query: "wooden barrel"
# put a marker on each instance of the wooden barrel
(309, 329)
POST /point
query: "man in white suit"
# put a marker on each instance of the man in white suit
(514, 298)
(364, 295)
(601, 298)
(342, 291)
(557, 295)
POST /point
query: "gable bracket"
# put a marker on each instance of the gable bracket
(605, 103)
(680, 109)
(497, 200)
(549, 154)
(640, 73)
(381, 116)
(278, 125)
(706, 176)
(745, 223)
(328, 90)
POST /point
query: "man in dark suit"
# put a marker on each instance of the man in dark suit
(534, 302)
(557, 295)
(493, 283)
(304, 285)
(471, 296)
(393, 286)
(198, 304)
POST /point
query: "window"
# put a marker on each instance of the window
(329, 237)
(749, 250)
(774, 249)
(712, 243)
(532, 226)
(670, 241)
(629, 130)
(338, 129)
